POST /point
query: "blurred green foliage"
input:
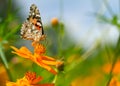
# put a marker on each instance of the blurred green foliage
(78, 62)
(8, 28)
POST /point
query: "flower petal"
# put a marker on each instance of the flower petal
(36, 80)
(47, 67)
(23, 52)
(48, 58)
(38, 48)
(51, 62)
(11, 84)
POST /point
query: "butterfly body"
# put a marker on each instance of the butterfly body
(32, 28)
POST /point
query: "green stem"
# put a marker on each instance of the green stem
(111, 71)
(60, 40)
(118, 13)
(59, 44)
(108, 7)
(61, 9)
(116, 55)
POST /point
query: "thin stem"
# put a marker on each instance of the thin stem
(108, 7)
(116, 55)
(119, 9)
(108, 53)
(111, 71)
(61, 9)
(119, 6)
(60, 38)
(59, 43)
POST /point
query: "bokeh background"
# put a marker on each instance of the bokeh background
(85, 34)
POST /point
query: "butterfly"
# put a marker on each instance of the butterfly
(32, 28)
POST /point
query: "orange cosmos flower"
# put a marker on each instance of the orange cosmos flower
(38, 57)
(29, 79)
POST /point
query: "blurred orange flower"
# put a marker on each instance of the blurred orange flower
(114, 82)
(54, 21)
(107, 67)
(29, 79)
(38, 57)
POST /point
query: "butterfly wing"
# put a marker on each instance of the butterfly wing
(32, 28)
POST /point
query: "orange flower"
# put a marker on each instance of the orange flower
(54, 21)
(38, 57)
(29, 79)
(115, 81)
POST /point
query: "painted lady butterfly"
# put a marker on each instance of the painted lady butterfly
(32, 28)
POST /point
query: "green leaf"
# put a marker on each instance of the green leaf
(114, 20)
(2, 55)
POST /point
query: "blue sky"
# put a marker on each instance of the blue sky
(82, 26)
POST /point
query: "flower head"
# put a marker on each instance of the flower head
(38, 56)
(54, 21)
(29, 79)
(39, 48)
